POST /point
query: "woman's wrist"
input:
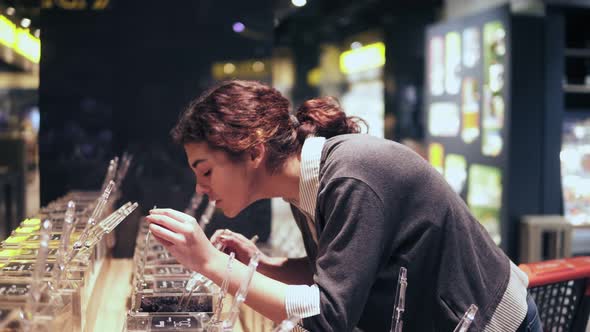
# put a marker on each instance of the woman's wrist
(215, 266)
(270, 264)
(275, 261)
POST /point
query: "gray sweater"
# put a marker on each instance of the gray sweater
(380, 207)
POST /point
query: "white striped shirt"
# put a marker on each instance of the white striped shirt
(303, 300)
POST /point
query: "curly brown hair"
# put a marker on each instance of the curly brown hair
(236, 115)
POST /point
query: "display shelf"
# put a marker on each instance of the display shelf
(576, 88)
(577, 52)
(111, 301)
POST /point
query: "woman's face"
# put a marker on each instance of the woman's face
(226, 181)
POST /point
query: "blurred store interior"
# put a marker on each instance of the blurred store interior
(494, 93)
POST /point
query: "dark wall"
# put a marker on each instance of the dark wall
(76, 95)
(116, 80)
(404, 71)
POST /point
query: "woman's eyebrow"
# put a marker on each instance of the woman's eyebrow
(196, 162)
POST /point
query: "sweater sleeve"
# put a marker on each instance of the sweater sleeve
(350, 251)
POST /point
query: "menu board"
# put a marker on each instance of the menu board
(575, 169)
(466, 111)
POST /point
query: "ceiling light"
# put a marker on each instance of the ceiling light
(355, 45)
(238, 27)
(25, 22)
(258, 66)
(229, 68)
(299, 3)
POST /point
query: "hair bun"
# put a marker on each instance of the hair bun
(324, 117)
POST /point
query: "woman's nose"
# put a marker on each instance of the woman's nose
(202, 190)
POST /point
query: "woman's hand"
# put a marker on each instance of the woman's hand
(289, 271)
(228, 241)
(182, 237)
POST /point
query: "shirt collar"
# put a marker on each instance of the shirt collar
(311, 155)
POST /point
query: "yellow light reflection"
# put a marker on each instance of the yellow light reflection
(9, 252)
(7, 31)
(258, 66)
(436, 155)
(229, 68)
(363, 58)
(16, 239)
(31, 222)
(314, 77)
(28, 45)
(20, 40)
(26, 230)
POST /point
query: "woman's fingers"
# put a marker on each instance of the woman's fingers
(165, 234)
(166, 222)
(241, 237)
(181, 236)
(176, 215)
(221, 235)
(237, 238)
(216, 236)
(165, 243)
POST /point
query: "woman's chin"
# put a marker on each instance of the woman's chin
(229, 213)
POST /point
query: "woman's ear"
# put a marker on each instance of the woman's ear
(257, 154)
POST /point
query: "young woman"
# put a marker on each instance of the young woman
(365, 206)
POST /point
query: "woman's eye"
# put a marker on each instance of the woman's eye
(207, 173)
